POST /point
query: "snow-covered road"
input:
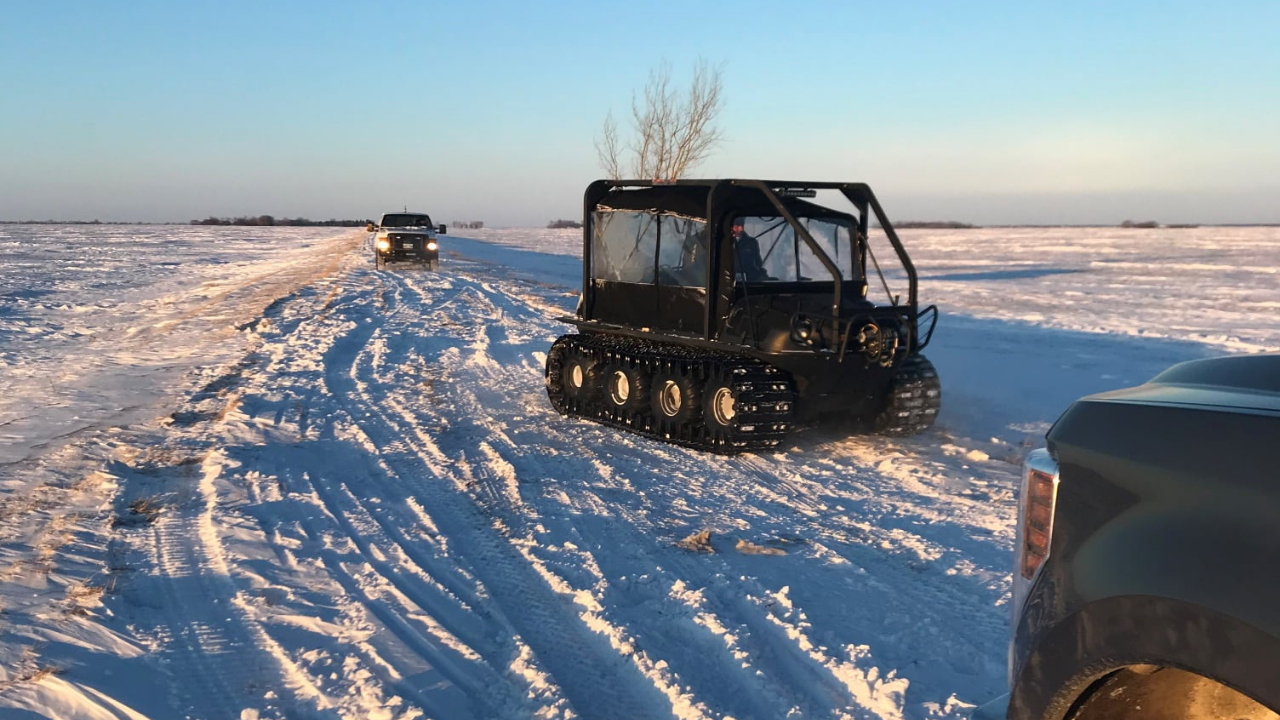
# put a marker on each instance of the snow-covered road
(372, 511)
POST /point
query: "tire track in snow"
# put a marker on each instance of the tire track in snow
(717, 679)
(374, 519)
(216, 657)
(596, 680)
(398, 588)
(724, 682)
(744, 496)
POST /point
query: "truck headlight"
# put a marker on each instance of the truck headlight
(1035, 512)
(1036, 505)
(384, 244)
(431, 245)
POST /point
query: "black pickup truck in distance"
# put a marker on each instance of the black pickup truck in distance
(406, 237)
(1145, 583)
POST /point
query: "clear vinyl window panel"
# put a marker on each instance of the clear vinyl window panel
(682, 252)
(623, 246)
(769, 250)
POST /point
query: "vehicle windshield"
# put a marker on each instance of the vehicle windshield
(769, 250)
(405, 220)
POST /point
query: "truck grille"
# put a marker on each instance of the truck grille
(405, 240)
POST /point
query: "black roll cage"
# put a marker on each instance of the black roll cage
(859, 194)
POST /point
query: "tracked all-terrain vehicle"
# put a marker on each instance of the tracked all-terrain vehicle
(719, 314)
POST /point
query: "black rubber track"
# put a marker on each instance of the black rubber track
(764, 396)
(915, 396)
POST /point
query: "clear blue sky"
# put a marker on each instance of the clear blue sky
(989, 112)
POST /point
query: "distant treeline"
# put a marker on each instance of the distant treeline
(564, 224)
(267, 220)
(1148, 224)
(933, 225)
(76, 222)
(467, 224)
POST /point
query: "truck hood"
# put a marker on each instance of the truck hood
(1242, 382)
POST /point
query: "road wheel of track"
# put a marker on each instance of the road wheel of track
(625, 387)
(913, 399)
(719, 408)
(581, 376)
(676, 400)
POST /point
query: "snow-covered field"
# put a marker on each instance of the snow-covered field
(244, 475)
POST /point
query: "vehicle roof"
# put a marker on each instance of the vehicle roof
(689, 198)
(708, 182)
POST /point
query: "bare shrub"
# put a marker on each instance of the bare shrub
(672, 132)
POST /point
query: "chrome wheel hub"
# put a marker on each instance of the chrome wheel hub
(670, 400)
(723, 406)
(619, 387)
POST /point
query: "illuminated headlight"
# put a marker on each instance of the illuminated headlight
(431, 245)
(384, 244)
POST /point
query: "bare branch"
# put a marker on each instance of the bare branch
(607, 148)
(696, 131)
(671, 133)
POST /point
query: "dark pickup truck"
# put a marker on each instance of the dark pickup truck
(406, 237)
(1146, 579)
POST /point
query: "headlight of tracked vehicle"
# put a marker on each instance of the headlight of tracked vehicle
(802, 330)
(431, 245)
(384, 244)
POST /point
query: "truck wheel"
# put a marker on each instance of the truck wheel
(433, 265)
(625, 388)
(913, 399)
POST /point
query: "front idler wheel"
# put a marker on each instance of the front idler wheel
(581, 377)
(571, 377)
(557, 361)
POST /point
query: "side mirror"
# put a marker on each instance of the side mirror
(443, 230)
(370, 227)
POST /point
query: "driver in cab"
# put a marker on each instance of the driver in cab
(747, 249)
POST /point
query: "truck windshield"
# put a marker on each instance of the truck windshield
(401, 220)
(769, 250)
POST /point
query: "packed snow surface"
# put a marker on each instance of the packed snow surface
(245, 475)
